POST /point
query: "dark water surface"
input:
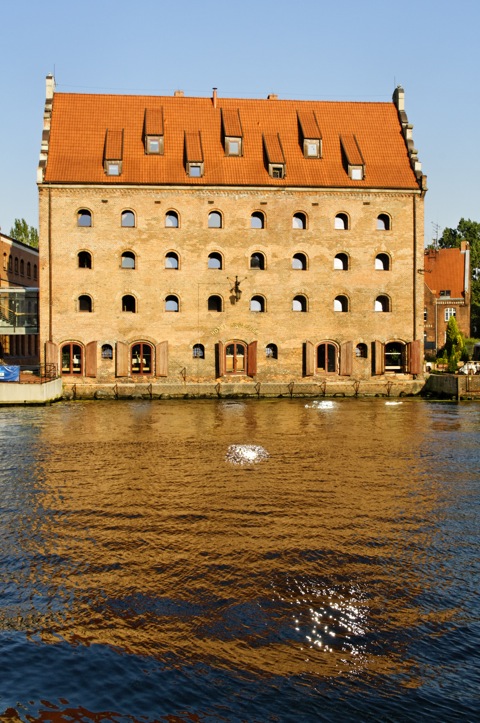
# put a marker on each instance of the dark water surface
(145, 578)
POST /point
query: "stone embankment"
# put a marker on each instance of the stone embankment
(222, 390)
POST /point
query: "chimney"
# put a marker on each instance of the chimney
(272, 96)
(214, 98)
(179, 94)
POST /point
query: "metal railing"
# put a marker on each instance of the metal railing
(37, 373)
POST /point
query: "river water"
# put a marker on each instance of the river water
(143, 577)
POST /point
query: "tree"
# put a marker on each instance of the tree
(24, 233)
(454, 344)
(467, 230)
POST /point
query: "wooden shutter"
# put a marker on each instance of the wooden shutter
(252, 359)
(161, 359)
(51, 353)
(414, 357)
(122, 359)
(91, 359)
(378, 357)
(220, 359)
(346, 359)
(308, 359)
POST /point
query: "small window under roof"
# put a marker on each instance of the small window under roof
(232, 132)
(310, 134)
(113, 152)
(194, 154)
(275, 156)
(153, 131)
(353, 157)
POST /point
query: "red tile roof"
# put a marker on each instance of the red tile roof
(231, 123)
(79, 123)
(352, 150)
(445, 270)
(309, 124)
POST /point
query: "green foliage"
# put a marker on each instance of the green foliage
(454, 345)
(24, 233)
(467, 230)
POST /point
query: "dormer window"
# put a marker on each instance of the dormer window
(352, 158)
(194, 155)
(276, 171)
(274, 154)
(233, 146)
(113, 152)
(310, 134)
(153, 131)
(232, 132)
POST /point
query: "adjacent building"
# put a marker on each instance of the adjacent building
(19, 340)
(447, 293)
(221, 238)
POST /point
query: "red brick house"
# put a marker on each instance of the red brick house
(447, 293)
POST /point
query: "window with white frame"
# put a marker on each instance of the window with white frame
(449, 312)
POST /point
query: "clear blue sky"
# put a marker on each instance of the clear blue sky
(305, 49)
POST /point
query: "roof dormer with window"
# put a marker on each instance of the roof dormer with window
(352, 156)
(153, 131)
(232, 132)
(113, 152)
(274, 154)
(194, 154)
(310, 134)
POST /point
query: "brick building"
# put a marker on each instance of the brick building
(207, 238)
(19, 341)
(447, 293)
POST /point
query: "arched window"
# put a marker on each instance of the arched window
(128, 260)
(16, 264)
(171, 303)
(340, 262)
(198, 351)
(141, 358)
(327, 358)
(107, 351)
(257, 303)
(35, 271)
(84, 260)
(10, 263)
(85, 303)
(5, 262)
(171, 260)
(214, 219)
(22, 267)
(299, 261)
(29, 269)
(129, 303)
(382, 303)
(171, 219)
(299, 303)
(383, 222)
(299, 220)
(382, 262)
(257, 261)
(257, 220)
(128, 219)
(361, 351)
(341, 221)
(215, 303)
(72, 358)
(340, 303)
(84, 218)
(271, 351)
(215, 260)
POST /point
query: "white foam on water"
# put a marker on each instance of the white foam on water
(245, 454)
(392, 404)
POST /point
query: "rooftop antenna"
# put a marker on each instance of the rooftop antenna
(436, 229)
